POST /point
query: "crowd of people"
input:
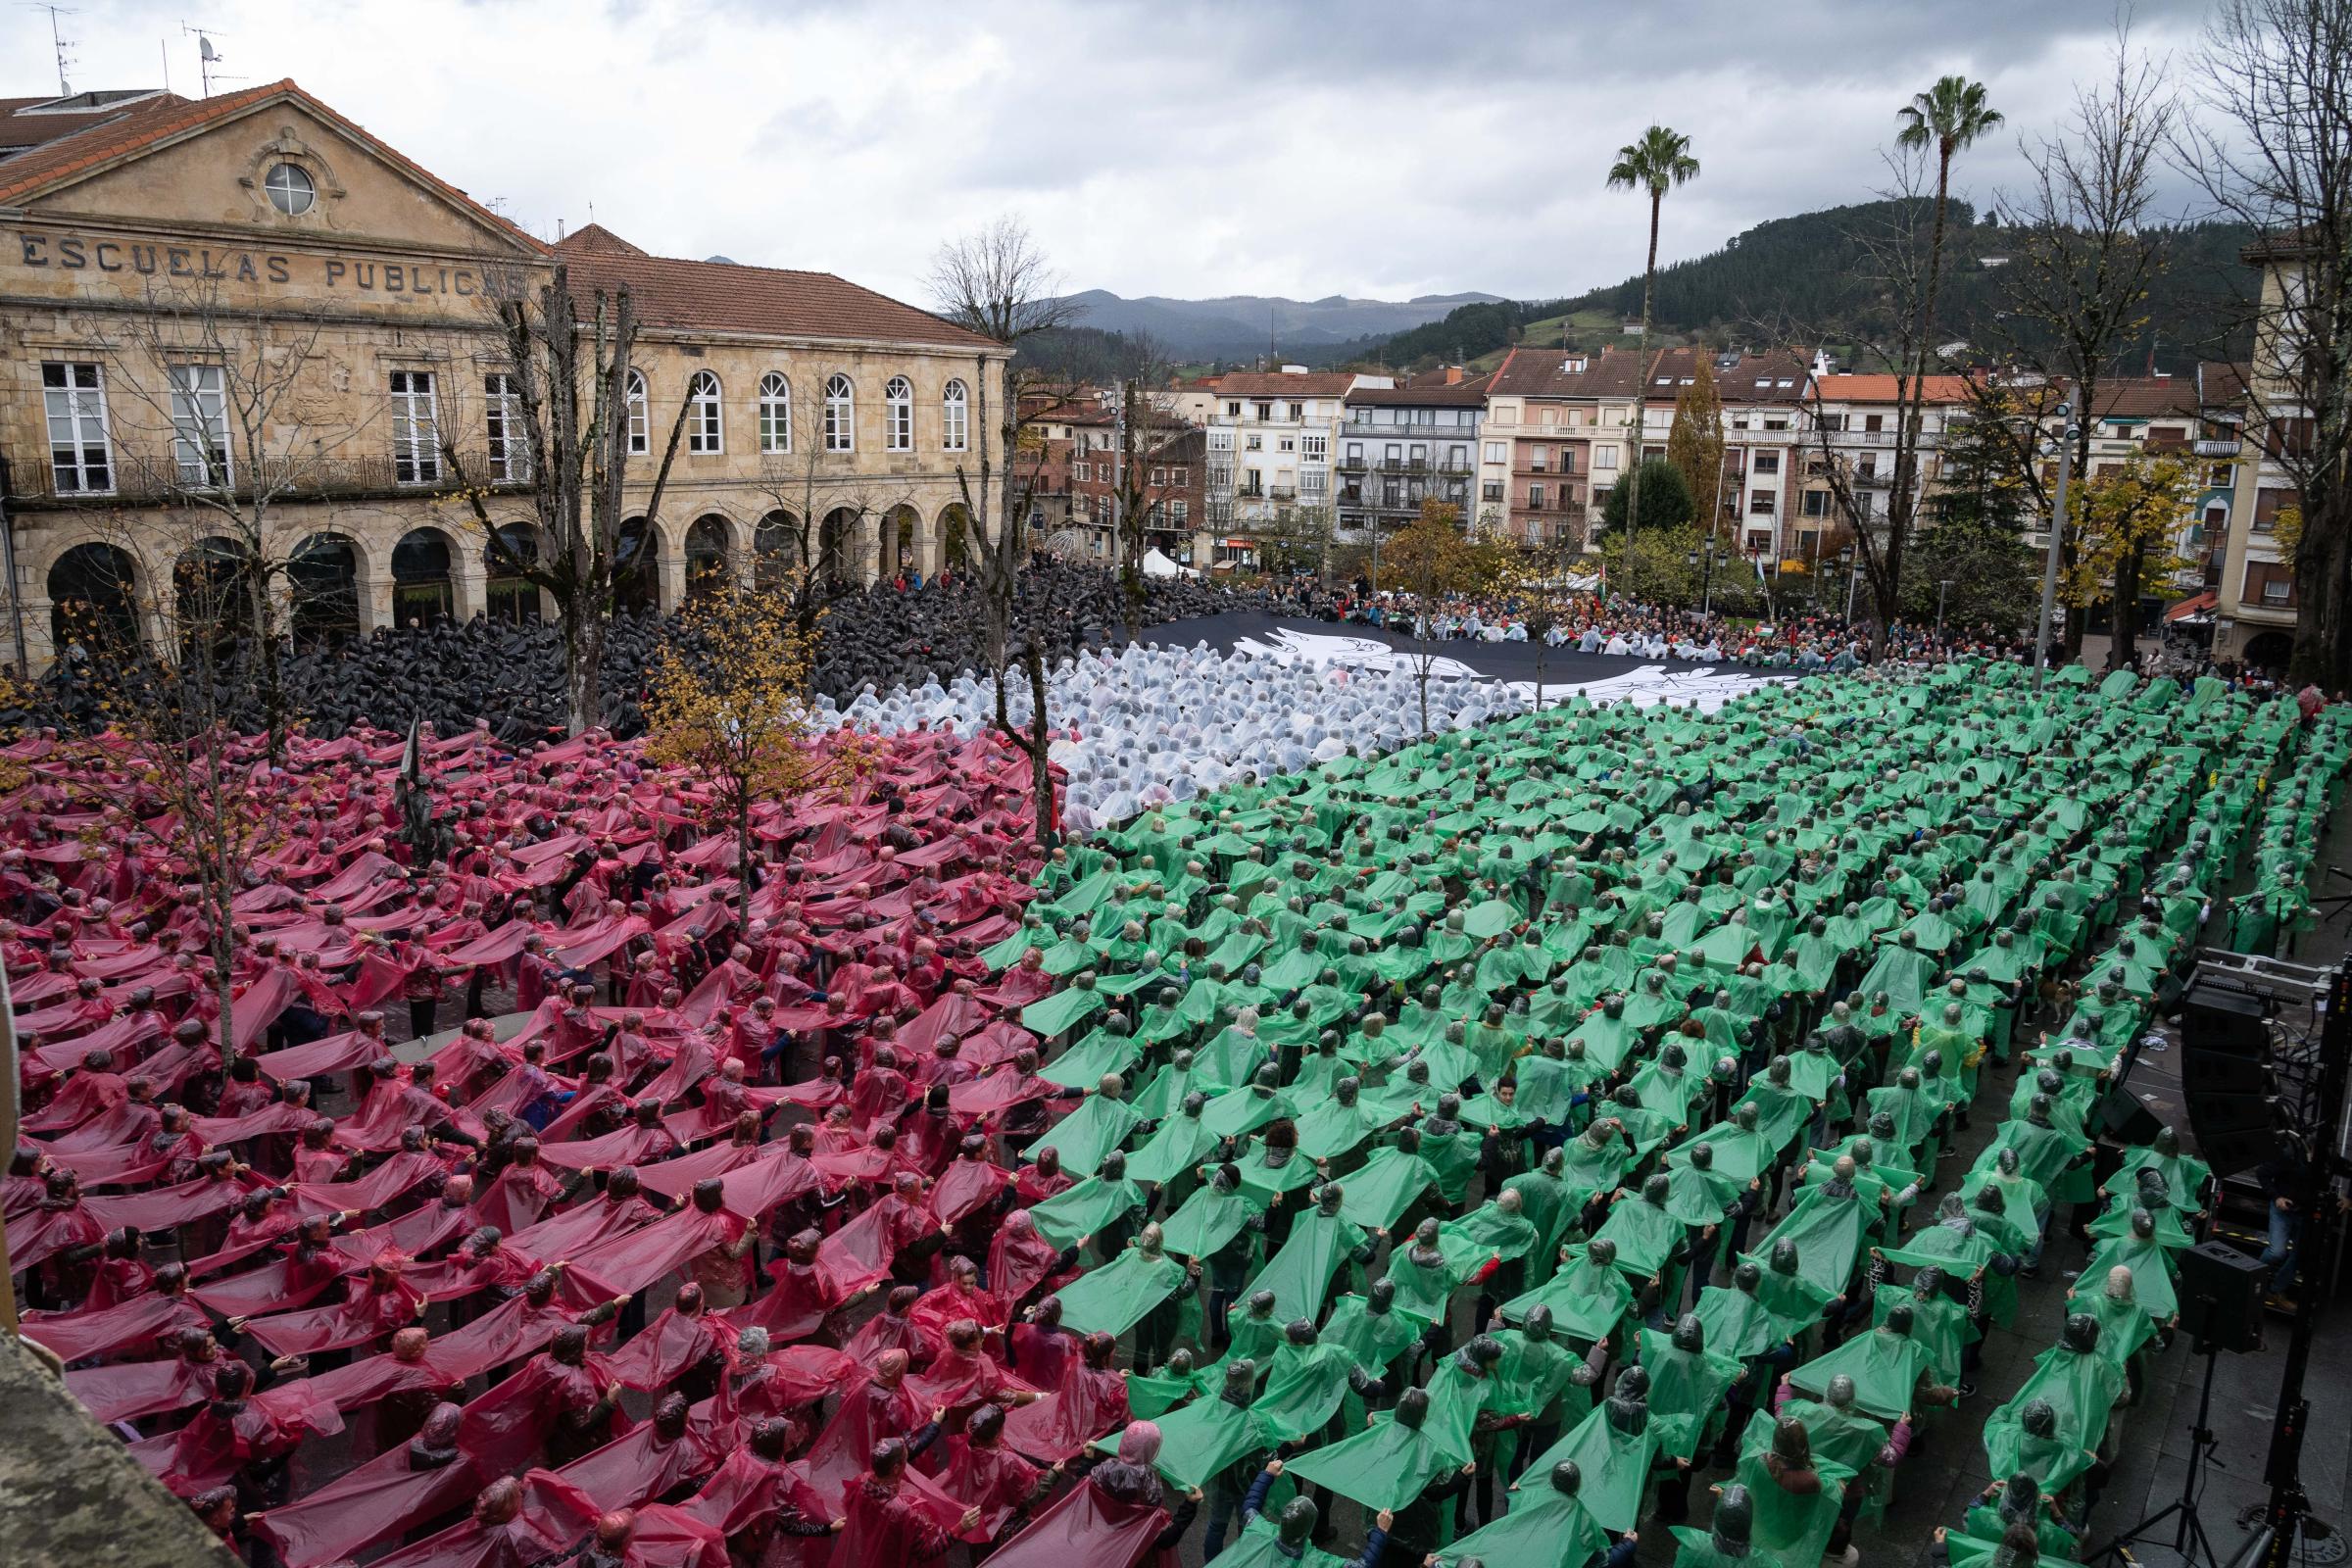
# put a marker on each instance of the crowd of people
(510, 674)
(1459, 1150)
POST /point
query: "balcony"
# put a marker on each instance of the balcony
(1927, 439)
(1352, 465)
(1282, 492)
(150, 481)
(2204, 447)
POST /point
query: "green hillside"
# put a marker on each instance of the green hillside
(1797, 276)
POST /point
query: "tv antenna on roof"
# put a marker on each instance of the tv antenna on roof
(207, 57)
(59, 43)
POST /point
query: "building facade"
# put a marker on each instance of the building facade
(1400, 446)
(1272, 439)
(1559, 434)
(2256, 604)
(249, 319)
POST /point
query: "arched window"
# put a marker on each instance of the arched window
(703, 429)
(91, 599)
(507, 594)
(775, 412)
(421, 589)
(955, 424)
(323, 579)
(840, 414)
(707, 555)
(898, 414)
(641, 429)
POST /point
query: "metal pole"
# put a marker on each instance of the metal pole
(2049, 563)
(1943, 586)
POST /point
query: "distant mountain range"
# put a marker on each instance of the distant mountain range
(1239, 326)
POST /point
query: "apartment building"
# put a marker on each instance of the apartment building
(1850, 420)
(1559, 434)
(1273, 438)
(1403, 445)
(2256, 604)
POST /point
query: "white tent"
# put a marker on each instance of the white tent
(1156, 565)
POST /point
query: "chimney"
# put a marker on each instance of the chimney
(559, 231)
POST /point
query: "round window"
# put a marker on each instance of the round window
(290, 189)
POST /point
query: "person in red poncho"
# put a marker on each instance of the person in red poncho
(982, 1473)
(1090, 1399)
(754, 1497)
(889, 1523)
(1114, 1519)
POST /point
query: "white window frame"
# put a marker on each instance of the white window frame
(272, 186)
(841, 414)
(415, 428)
(200, 409)
(706, 415)
(510, 455)
(81, 411)
(775, 412)
(641, 422)
(955, 417)
(898, 414)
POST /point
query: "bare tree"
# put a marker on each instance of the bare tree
(806, 486)
(1149, 437)
(2085, 253)
(220, 397)
(2276, 78)
(997, 283)
(562, 402)
(174, 735)
(1898, 261)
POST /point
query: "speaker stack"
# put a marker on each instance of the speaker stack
(2225, 1079)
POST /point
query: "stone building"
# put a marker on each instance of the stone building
(249, 309)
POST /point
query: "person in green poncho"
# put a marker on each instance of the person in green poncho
(1546, 1529)
(1615, 1451)
(1322, 1241)
(1727, 1541)
(1395, 1466)
(1142, 1289)
(2008, 1504)
(1207, 1444)
(1309, 1383)
(1798, 1498)
(1687, 1386)
(1288, 1539)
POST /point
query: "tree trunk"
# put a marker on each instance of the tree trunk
(2322, 568)
(742, 859)
(1641, 416)
(583, 659)
(1041, 766)
(2123, 631)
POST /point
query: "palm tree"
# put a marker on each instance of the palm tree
(1948, 116)
(1660, 161)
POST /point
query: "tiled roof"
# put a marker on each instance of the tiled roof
(27, 122)
(595, 237)
(728, 297)
(1544, 374)
(2140, 397)
(1276, 384)
(1878, 388)
(151, 123)
(1470, 394)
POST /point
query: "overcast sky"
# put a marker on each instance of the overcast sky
(1262, 147)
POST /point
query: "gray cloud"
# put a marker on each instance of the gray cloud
(1275, 146)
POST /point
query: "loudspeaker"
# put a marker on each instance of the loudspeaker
(2220, 1073)
(2229, 1152)
(2221, 1295)
(2124, 1120)
(2231, 1021)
